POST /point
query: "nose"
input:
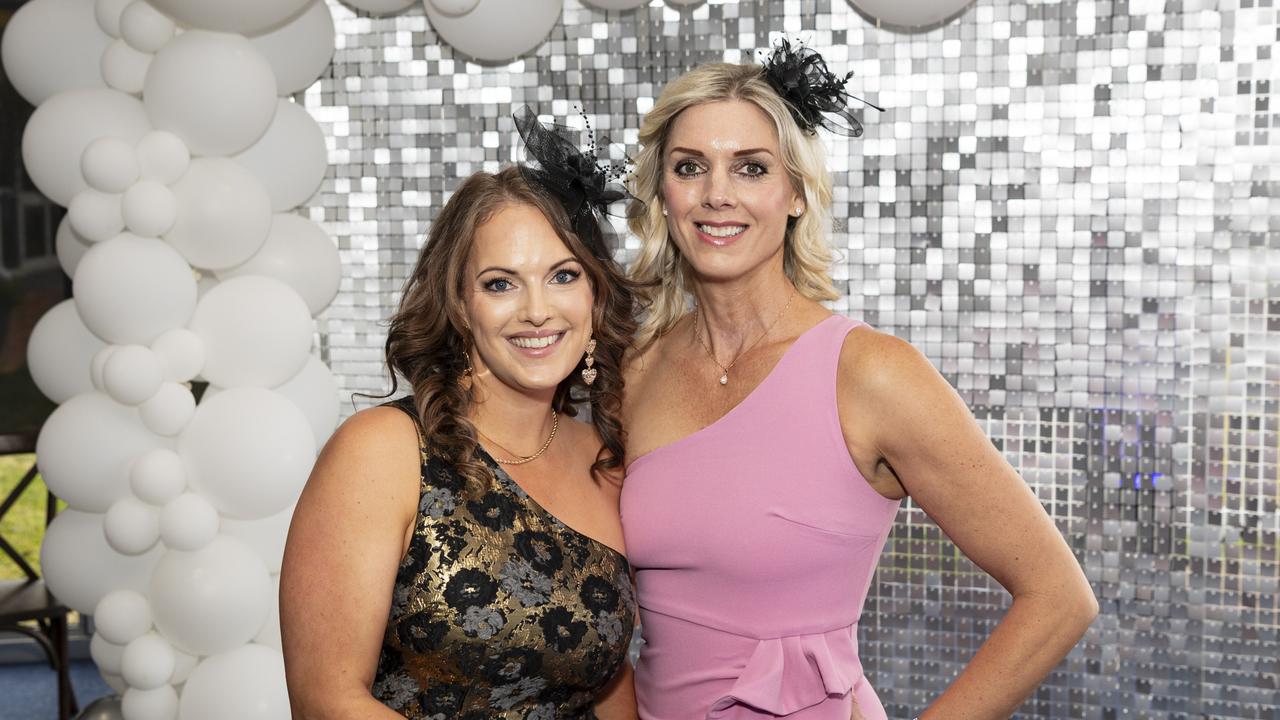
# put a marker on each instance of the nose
(535, 309)
(718, 191)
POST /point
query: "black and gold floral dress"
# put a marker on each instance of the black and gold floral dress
(499, 609)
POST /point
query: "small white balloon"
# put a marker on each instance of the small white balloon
(157, 477)
(210, 600)
(453, 8)
(181, 354)
(909, 14)
(50, 46)
(148, 662)
(247, 17)
(109, 165)
(185, 663)
(129, 289)
(60, 353)
(290, 158)
(132, 375)
(162, 157)
(213, 90)
(106, 655)
(86, 448)
(498, 30)
(80, 568)
(256, 332)
(249, 451)
(247, 682)
(96, 216)
(189, 523)
(265, 536)
(145, 28)
(169, 410)
(616, 4)
(114, 681)
(125, 68)
(300, 50)
(108, 13)
(122, 616)
(131, 526)
(63, 126)
(224, 214)
(149, 209)
(99, 364)
(315, 391)
(381, 7)
(299, 253)
(159, 703)
(70, 247)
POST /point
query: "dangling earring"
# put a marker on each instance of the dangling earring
(468, 369)
(589, 373)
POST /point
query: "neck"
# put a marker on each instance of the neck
(736, 315)
(519, 421)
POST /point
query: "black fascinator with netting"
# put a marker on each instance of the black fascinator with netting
(580, 180)
(816, 95)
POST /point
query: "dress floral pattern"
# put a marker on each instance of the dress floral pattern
(500, 610)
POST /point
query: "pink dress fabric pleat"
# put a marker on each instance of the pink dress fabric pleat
(754, 541)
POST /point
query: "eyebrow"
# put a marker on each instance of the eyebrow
(509, 271)
(740, 153)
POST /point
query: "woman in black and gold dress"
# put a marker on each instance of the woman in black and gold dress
(457, 553)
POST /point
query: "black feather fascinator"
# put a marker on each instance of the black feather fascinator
(816, 95)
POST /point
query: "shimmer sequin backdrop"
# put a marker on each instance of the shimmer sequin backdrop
(1070, 207)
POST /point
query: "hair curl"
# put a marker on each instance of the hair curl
(662, 274)
(428, 338)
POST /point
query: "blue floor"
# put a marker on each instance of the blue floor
(29, 691)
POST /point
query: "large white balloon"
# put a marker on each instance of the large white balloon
(107, 13)
(52, 45)
(256, 332)
(910, 14)
(453, 8)
(300, 254)
(290, 159)
(616, 4)
(109, 165)
(247, 17)
(210, 600)
(213, 90)
(498, 30)
(249, 451)
(299, 51)
(145, 28)
(380, 7)
(80, 568)
(63, 126)
(315, 392)
(224, 214)
(270, 633)
(246, 683)
(130, 289)
(125, 68)
(131, 526)
(86, 448)
(122, 616)
(60, 351)
(70, 247)
(265, 536)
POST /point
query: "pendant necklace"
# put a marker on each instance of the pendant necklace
(724, 375)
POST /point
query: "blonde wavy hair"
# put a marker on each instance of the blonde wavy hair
(664, 276)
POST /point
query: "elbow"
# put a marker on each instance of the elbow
(1081, 607)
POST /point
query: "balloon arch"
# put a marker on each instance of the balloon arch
(166, 130)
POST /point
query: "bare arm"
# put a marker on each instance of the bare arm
(345, 543)
(904, 422)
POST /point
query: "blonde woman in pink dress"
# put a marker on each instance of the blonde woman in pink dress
(770, 442)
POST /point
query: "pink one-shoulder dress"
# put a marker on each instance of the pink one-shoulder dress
(753, 542)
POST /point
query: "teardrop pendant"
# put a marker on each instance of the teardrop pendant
(724, 379)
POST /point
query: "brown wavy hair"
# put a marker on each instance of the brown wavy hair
(427, 338)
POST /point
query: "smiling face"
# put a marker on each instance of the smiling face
(528, 302)
(726, 190)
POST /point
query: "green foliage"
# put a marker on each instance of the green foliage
(23, 526)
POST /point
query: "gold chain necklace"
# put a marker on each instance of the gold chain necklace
(697, 331)
(555, 424)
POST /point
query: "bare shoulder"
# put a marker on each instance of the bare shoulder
(877, 365)
(375, 449)
(587, 444)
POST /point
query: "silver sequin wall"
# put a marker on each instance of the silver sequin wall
(1073, 208)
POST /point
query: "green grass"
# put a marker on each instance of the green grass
(23, 526)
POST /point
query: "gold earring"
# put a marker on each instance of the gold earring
(466, 371)
(589, 373)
